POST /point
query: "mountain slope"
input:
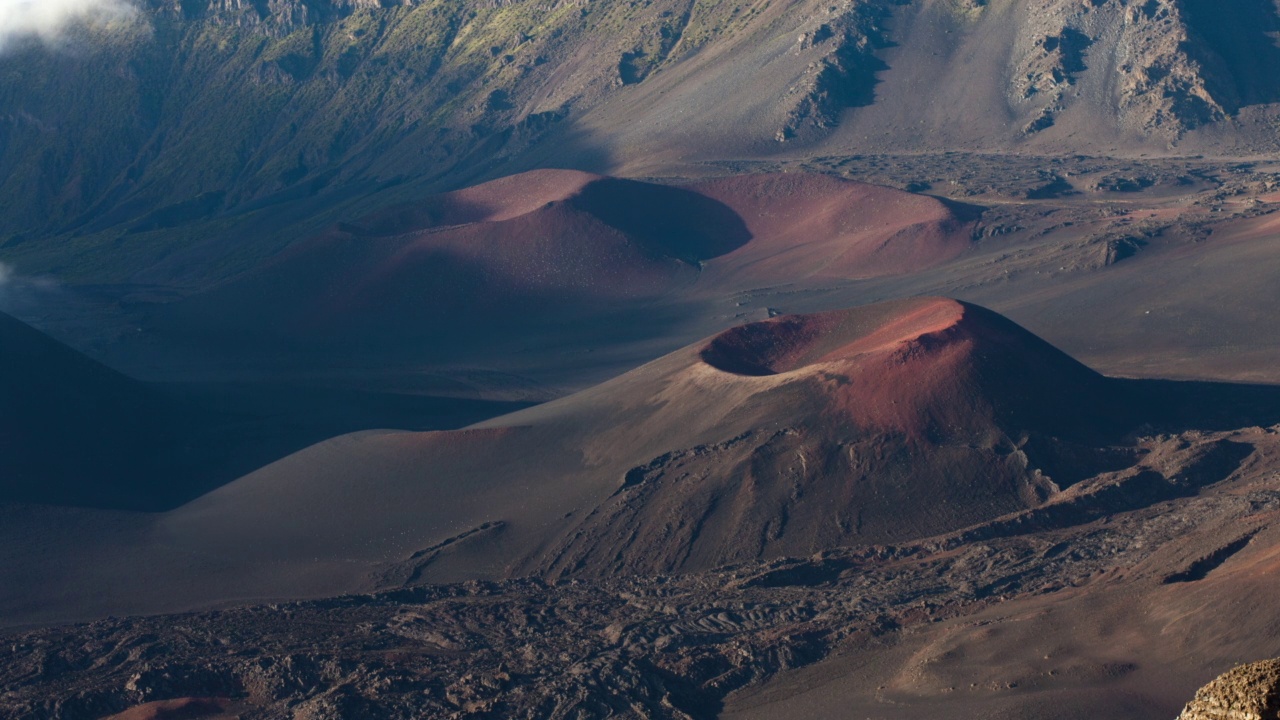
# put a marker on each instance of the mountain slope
(878, 424)
(202, 117)
(75, 433)
(211, 112)
(885, 423)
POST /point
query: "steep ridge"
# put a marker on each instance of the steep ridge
(1057, 76)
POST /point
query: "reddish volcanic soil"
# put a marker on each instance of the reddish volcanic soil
(876, 424)
(495, 201)
(906, 362)
(180, 709)
(551, 247)
(892, 508)
(542, 247)
(810, 225)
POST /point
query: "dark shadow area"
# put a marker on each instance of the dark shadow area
(195, 209)
(1244, 37)
(674, 221)
(72, 430)
(76, 433)
(1201, 568)
(964, 212)
(1055, 188)
(1175, 406)
(1073, 45)
(758, 349)
(246, 426)
(851, 82)
(1092, 426)
(196, 438)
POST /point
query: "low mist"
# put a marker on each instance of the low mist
(46, 21)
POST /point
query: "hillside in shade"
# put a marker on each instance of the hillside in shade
(75, 432)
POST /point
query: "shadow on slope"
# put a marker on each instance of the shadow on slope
(672, 220)
(518, 257)
(880, 425)
(1247, 39)
(1177, 405)
(76, 433)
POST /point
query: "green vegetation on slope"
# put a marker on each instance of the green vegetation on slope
(196, 116)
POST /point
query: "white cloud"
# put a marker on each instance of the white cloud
(46, 20)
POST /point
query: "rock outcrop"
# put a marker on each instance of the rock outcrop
(1249, 692)
(1147, 52)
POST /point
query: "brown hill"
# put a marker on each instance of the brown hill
(877, 425)
(567, 254)
(540, 248)
(871, 425)
(808, 225)
(880, 424)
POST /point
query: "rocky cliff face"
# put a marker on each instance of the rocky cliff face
(287, 14)
(1249, 692)
(1154, 65)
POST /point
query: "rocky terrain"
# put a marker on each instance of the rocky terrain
(693, 582)
(694, 645)
(1247, 691)
(743, 359)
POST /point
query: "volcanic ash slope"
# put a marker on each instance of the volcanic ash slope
(871, 425)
